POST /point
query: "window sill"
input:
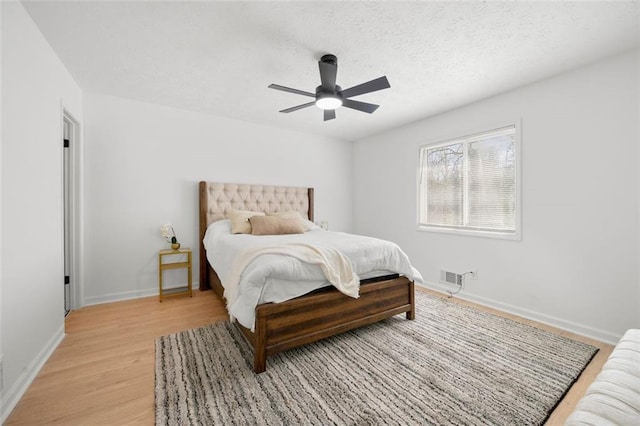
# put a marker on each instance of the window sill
(514, 236)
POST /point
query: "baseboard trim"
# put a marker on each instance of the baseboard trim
(593, 333)
(129, 295)
(9, 400)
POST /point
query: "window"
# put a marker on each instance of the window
(471, 184)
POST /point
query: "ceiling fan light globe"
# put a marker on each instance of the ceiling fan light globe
(328, 102)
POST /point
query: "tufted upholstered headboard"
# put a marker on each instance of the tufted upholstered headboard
(217, 198)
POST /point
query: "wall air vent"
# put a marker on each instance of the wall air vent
(450, 277)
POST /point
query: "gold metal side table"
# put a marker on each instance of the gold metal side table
(175, 265)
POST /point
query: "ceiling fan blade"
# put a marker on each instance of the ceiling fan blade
(295, 108)
(360, 106)
(290, 90)
(328, 76)
(368, 87)
(329, 114)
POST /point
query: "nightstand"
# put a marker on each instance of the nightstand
(165, 266)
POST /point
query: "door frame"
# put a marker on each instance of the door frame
(75, 211)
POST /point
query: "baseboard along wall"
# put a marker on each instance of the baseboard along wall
(128, 295)
(9, 399)
(593, 333)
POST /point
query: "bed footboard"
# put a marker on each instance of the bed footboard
(282, 326)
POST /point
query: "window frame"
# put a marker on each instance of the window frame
(443, 141)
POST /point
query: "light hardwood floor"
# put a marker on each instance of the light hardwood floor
(103, 371)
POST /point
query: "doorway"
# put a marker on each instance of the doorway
(70, 198)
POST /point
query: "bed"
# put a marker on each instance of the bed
(324, 312)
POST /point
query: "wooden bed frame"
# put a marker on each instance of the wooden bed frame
(317, 315)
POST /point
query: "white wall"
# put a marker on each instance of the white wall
(1, 327)
(577, 263)
(35, 88)
(142, 166)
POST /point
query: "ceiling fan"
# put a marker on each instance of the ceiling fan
(330, 96)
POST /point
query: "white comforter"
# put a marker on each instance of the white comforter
(275, 278)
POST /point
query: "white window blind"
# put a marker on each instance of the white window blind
(471, 183)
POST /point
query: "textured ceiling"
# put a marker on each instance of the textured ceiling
(219, 57)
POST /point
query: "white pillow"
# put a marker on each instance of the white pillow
(216, 230)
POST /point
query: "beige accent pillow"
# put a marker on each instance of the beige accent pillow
(274, 225)
(240, 220)
(294, 215)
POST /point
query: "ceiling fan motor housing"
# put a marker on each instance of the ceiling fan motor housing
(336, 94)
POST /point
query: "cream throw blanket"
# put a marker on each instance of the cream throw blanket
(336, 267)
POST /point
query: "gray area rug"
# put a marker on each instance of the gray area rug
(453, 365)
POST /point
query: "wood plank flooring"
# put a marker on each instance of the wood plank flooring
(103, 371)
